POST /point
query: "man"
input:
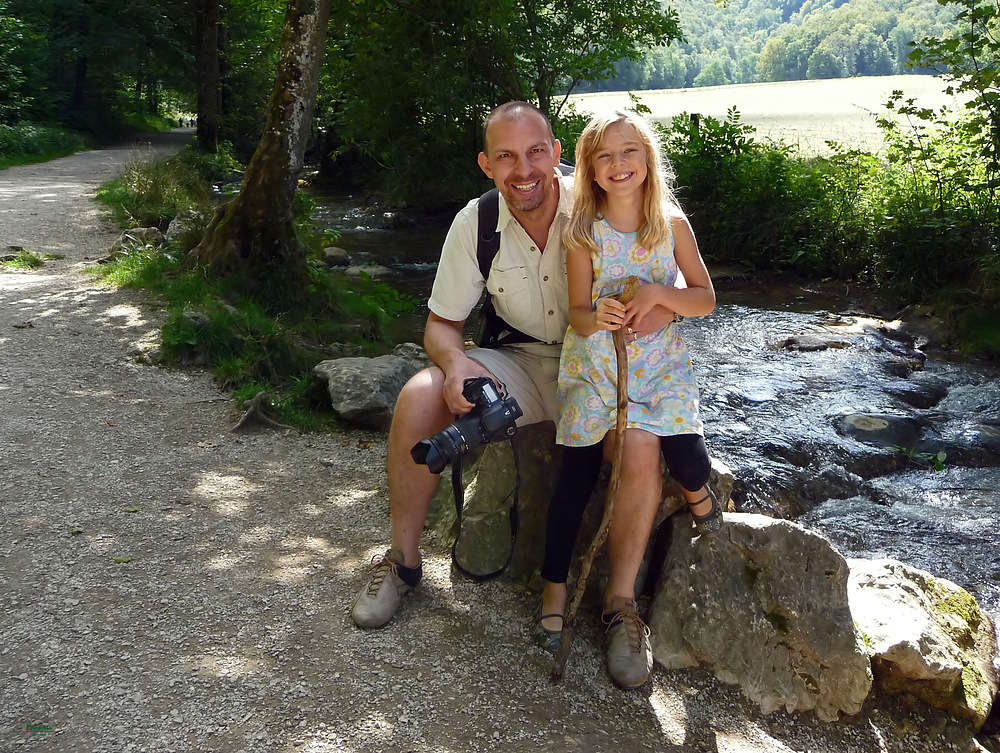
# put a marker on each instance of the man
(528, 283)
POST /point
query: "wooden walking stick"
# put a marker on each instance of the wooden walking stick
(618, 337)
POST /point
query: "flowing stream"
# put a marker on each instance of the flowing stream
(827, 417)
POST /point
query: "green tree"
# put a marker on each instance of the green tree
(713, 74)
(410, 83)
(253, 233)
(824, 64)
(970, 59)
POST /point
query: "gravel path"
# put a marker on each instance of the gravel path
(170, 586)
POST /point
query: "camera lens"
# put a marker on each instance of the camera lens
(426, 452)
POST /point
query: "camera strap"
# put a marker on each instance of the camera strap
(459, 492)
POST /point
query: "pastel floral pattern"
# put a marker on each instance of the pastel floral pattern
(663, 393)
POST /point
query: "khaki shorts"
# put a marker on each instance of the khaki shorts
(529, 373)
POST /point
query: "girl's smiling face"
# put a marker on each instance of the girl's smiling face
(620, 162)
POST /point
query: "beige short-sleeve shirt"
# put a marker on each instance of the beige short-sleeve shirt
(528, 286)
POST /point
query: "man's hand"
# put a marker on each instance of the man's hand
(454, 382)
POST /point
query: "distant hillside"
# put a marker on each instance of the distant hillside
(750, 41)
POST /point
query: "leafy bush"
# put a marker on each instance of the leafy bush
(26, 142)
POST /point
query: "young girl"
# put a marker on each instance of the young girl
(625, 222)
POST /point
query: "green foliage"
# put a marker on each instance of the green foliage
(24, 143)
(933, 460)
(251, 343)
(417, 115)
(746, 41)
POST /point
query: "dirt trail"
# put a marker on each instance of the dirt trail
(170, 586)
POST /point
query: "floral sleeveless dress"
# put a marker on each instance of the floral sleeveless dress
(663, 393)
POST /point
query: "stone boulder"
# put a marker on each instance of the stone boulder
(765, 607)
(136, 237)
(488, 477)
(335, 256)
(185, 230)
(363, 391)
(374, 271)
(925, 636)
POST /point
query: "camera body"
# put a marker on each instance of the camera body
(492, 419)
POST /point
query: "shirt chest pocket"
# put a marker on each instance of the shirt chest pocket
(506, 284)
(513, 294)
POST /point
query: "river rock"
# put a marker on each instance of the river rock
(488, 477)
(334, 256)
(374, 271)
(880, 429)
(363, 391)
(810, 343)
(765, 607)
(926, 636)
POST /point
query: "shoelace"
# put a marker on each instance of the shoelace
(635, 628)
(382, 568)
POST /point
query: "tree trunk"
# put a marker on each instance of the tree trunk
(208, 74)
(253, 233)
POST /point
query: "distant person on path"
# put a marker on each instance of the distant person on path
(527, 281)
(625, 222)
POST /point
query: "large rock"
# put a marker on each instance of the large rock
(926, 636)
(363, 391)
(765, 606)
(186, 229)
(488, 477)
(135, 238)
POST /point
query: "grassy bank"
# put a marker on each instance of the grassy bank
(250, 344)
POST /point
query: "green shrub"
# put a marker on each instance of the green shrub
(23, 143)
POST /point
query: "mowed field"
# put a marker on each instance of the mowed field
(803, 113)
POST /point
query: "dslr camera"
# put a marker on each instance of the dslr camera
(492, 419)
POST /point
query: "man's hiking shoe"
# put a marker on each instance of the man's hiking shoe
(390, 581)
(630, 657)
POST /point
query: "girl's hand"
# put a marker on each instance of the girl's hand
(609, 314)
(646, 299)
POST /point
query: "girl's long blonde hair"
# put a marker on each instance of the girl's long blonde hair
(588, 197)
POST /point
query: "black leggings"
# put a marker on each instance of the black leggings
(687, 460)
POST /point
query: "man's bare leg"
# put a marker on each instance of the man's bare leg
(420, 412)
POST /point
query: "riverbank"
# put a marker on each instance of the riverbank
(170, 585)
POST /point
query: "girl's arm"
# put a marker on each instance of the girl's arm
(697, 299)
(609, 313)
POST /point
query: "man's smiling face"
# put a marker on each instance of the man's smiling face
(521, 158)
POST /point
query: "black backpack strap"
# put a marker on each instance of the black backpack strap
(488, 238)
(514, 515)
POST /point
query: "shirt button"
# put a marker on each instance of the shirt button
(533, 248)
(499, 290)
(545, 279)
(551, 312)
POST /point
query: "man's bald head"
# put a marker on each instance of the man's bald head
(513, 111)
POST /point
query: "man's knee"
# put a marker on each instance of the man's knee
(420, 407)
